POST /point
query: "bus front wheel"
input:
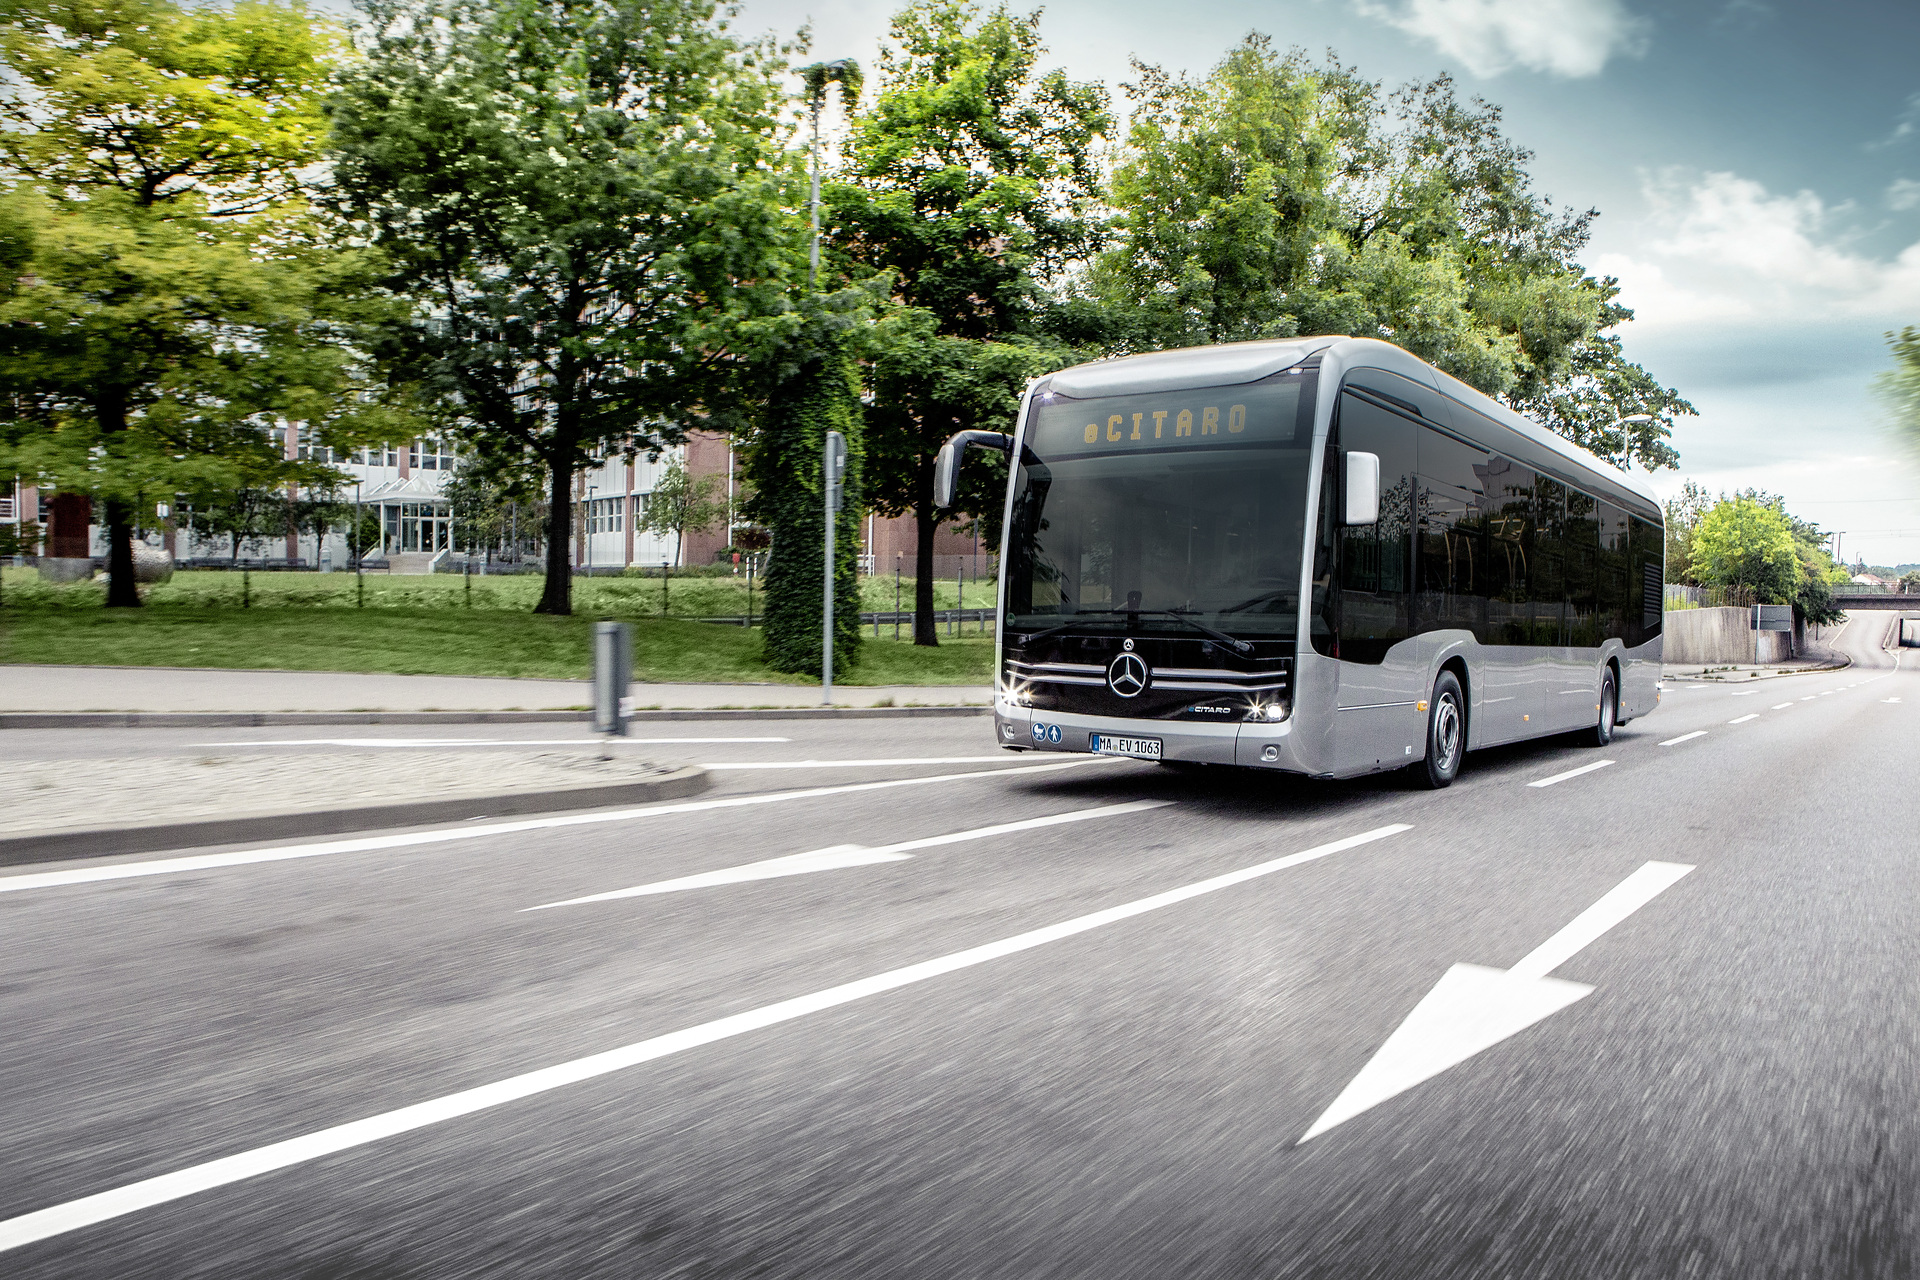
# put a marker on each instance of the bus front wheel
(1446, 734)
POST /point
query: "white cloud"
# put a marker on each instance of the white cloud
(1904, 124)
(1573, 38)
(1722, 247)
(1903, 194)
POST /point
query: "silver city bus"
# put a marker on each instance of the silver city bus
(1319, 555)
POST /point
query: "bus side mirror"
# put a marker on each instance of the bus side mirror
(946, 464)
(946, 473)
(1363, 488)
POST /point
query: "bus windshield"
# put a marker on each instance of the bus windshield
(1186, 503)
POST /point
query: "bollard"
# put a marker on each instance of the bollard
(612, 673)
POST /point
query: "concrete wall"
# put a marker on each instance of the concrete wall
(1701, 636)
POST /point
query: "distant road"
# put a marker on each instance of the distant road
(888, 1002)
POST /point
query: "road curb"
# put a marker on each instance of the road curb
(251, 828)
(282, 719)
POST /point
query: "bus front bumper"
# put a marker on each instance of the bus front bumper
(1259, 745)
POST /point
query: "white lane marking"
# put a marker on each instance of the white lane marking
(281, 853)
(846, 764)
(1752, 715)
(1746, 693)
(1571, 773)
(1685, 737)
(1778, 706)
(848, 855)
(1808, 698)
(1889, 699)
(148, 1192)
(1825, 693)
(472, 742)
(1474, 1007)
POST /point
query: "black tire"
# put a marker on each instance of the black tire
(1607, 715)
(1446, 734)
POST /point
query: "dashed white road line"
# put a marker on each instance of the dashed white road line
(1685, 737)
(1779, 706)
(1571, 773)
(366, 844)
(1751, 715)
(1808, 698)
(103, 1206)
(849, 855)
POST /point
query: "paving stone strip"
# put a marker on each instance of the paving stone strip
(64, 795)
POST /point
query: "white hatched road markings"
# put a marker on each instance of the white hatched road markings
(103, 1206)
(1685, 737)
(475, 742)
(1751, 715)
(1571, 773)
(849, 855)
(282, 853)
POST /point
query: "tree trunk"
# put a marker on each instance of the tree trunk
(925, 520)
(122, 592)
(557, 597)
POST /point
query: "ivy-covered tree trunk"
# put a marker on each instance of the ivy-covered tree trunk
(786, 468)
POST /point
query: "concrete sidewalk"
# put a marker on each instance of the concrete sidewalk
(180, 689)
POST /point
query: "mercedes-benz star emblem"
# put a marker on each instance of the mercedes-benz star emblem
(1127, 677)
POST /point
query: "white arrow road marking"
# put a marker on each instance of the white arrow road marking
(1685, 737)
(1751, 715)
(1571, 773)
(102, 1206)
(847, 855)
(1475, 1008)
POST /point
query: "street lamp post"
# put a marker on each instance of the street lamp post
(591, 490)
(1626, 446)
(844, 72)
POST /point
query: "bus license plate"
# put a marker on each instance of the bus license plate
(1139, 748)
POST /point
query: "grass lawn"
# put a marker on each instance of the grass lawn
(418, 634)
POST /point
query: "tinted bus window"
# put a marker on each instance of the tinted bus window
(1617, 599)
(1583, 545)
(1509, 538)
(1450, 590)
(1375, 560)
(1549, 567)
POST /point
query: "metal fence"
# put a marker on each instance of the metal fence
(1680, 596)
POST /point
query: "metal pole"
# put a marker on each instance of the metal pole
(359, 554)
(896, 595)
(832, 463)
(813, 251)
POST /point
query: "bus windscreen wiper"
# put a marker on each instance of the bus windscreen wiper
(1184, 615)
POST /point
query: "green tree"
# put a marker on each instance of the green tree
(681, 504)
(1743, 542)
(971, 180)
(579, 199)
(1899, 387)
(1683, 516)
(166, 311)
(1275, 197)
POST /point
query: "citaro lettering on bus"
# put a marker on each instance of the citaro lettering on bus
(1117, 428)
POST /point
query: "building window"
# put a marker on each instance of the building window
(432, 455)
(606, 515)
(310, 449)
(380, 457)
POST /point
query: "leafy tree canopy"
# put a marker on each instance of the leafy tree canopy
(1899, 386)
(580, 201)
(1275, 197)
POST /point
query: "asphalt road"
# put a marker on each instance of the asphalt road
(375, 1061)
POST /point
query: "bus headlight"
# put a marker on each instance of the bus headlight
(1270, 712)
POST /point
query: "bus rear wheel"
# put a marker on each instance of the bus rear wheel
(1446, 734)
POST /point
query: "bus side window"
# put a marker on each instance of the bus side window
(1583, 542)
(1549, 560)
(1616, 593)
(1509, 540)
(1376, 560)
(1451, 590)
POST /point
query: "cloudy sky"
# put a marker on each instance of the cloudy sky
(1756, 166)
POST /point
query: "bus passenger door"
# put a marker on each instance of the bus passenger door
(1377, 722)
